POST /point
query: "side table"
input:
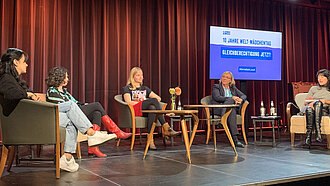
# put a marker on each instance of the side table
(271, 119)
(176, 118)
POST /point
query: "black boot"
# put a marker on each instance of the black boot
(309, 125)
(318, 118)
(237, 142)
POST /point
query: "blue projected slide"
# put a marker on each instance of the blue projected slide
(248, 54)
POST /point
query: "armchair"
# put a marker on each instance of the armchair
(297, 123)
(127, 118)
(31, 123)
(240, 118)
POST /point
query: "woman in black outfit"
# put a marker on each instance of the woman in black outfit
(226, 93)
(142, 98)
(317, 105)
(13, 89)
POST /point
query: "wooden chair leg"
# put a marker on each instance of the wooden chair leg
(12, 151)
(58, 150)
(78, 150)
(133, 138)
(244, 134)
(208, 132)
(328, 141)
(62, 149)
(3, 158)
(292, 139)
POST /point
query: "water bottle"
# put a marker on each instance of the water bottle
(262, 109)
(272, 109)
(179, 107)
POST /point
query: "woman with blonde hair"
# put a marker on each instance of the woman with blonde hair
(143, 98)
(226, 93)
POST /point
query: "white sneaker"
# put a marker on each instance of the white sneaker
(70, 166)
(99, 138)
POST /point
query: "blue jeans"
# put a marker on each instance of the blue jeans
(72, 118)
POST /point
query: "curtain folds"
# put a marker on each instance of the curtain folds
(99, 41)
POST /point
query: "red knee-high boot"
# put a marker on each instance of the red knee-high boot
(112, 127)
(95, 150)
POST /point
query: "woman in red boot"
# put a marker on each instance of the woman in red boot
(57, 79)
(142, 98)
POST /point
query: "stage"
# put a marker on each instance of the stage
(254, 165)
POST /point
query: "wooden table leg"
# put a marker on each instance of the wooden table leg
(196, 120)
(151, 133)
(207, 112)
(225, 126)
(185, 136)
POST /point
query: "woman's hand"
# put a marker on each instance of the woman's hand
(127, 99)
(237, 100)
(33, 96)
(154, 95)
(309, 103)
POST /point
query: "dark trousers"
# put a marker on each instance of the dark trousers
(94, 112)
(152, 104)
(231, 121)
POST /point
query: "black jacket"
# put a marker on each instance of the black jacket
(218, 94)
(12, 93)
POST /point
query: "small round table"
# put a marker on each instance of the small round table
(223, 121)
(182, 114)
(271, 119)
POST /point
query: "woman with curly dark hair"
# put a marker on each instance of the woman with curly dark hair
(13, 89)
(317, 105)
(57, 79)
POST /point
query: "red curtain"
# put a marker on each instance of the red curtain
(99, 41)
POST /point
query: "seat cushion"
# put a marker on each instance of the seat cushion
(298, 124)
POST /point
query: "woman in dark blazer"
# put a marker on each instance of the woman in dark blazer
(227, 93)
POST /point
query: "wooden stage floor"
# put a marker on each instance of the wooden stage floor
(254, 165)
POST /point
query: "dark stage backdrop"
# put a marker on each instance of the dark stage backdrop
(99, 41)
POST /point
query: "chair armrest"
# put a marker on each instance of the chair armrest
(126, 115)
(289, 112)
(163, 105)
(31, 121)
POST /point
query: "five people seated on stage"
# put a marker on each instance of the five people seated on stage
(57, 79)
(142, 98)
(14, 88)
(317, 105)
(75, 116)
(227, 93)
